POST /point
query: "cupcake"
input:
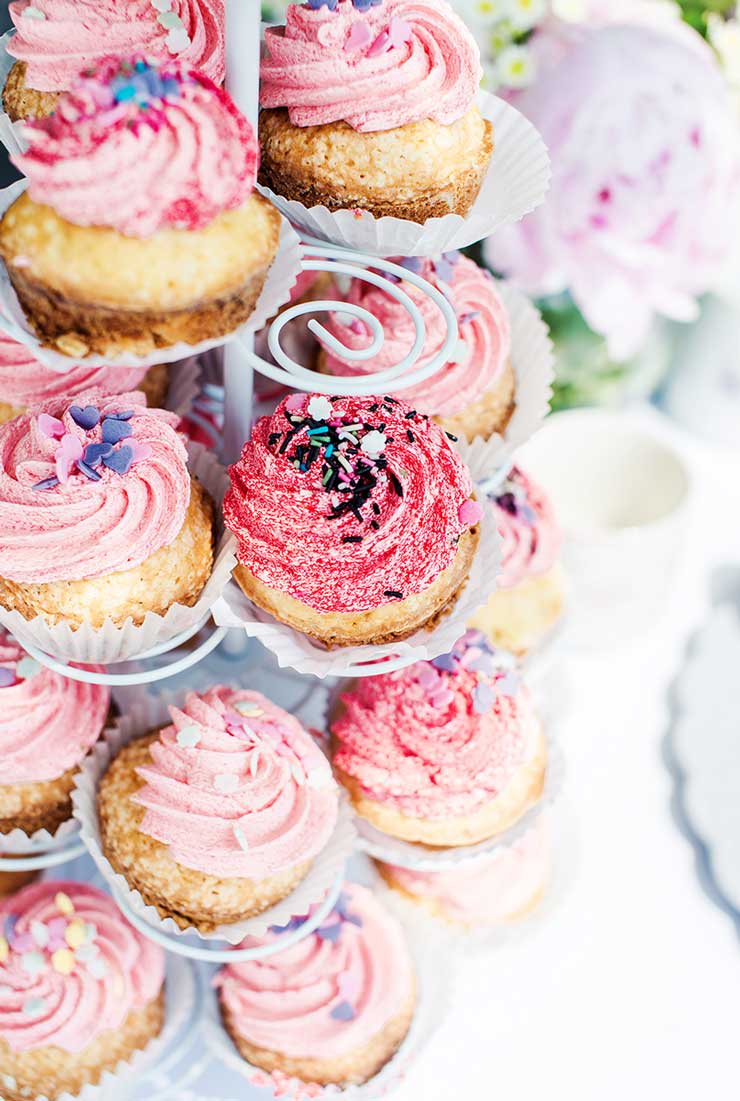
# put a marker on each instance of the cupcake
(99, 517)
(47, 724)
(497, 889)
(371, 106)
(447, 752)
(332, 1009)
(529, 599)
(80, 990)
(55, 39)
(354, 518)
(139, 227)
(26, 382)
(471, 395)
(220, 815)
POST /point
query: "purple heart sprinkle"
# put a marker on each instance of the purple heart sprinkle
(343, 1012)
(330, 932)
(447, 663)
(120, 461)
(87, 471)
(114, 430)
(85, 418)
(96, 452)
(125, 416)
(7, 677)
(47, 483)
(411, 263)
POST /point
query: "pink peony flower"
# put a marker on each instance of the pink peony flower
(645, 150)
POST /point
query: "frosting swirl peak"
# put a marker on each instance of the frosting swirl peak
(89, 489)
(396, 62)
(139, 147)
(237, 787)
(71, 967)
(530, 536)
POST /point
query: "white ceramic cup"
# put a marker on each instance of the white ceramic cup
(621, 494)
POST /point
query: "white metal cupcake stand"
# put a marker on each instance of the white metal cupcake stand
(185, 651)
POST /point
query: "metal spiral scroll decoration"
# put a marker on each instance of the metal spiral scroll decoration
(338, 261)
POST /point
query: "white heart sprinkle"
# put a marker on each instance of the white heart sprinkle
(33, 12)
(226, 782)
(177, 40)
(373, 444)
(33, 962)
(188, 736)
(320, 408)
(239, 835)
(33, 1006)
(40, 933)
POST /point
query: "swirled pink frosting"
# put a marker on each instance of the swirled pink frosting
(331, 993)
(237, 787)
(47, 722)
(352, 539)
(71, 35)
(488, 890)
(438, 739)
(114, 971)
(530, 536)
(482, 350)
(400, 61)
(25, 381)
(138, 148)
(88, 528)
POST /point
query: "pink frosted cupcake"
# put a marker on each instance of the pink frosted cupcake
(55, 39)
(372, 107)
(47, 725)
(447, 752)
(473, 394)
(140, 227)
(529, 598)
(80, 990)
(492, 890)
(218, 816)
(26, 382)
(99, 517)
(332, 1009)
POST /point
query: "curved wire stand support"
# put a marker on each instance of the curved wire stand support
(356, 265)
(181, 947)
(50, 858)
(142, 676)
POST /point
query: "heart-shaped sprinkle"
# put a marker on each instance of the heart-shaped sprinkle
(66, 455)
(27, 667)
(359, 35)
(95, 452)
(125, 415)
(7, 677)
(226, 782)
(482, 698)
(330, 932)
(399, 33)
(114, 430)
(188, 736)
(86, 418)
(140, 450)
(50, 427)
(120, 461)
(343, 1012)
(446, 663)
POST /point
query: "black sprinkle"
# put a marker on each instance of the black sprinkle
(375, 525)
(410, 415)
(395, 483)
(351, 538)
(393, 401)
(451, 437)
(393, 592)
(410, 435)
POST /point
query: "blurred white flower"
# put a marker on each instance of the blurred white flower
(515, 66)
(724, 34)
(482, 13)
(526, 14)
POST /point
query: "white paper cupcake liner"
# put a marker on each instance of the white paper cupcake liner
(146, 715)
(516, 182)
(10, 132)
(433, 995)
(533, 362)
(180, 989)
(281, 276)
(299, 652)
(110, 643)
(19, 843)
(184, 385)
(461, 939)
(408, 854)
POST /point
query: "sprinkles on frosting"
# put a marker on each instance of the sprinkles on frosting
(110, 444)
(495, 670)
(512, 497)
(62, 944)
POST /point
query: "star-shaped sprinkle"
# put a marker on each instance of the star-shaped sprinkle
(188, 736)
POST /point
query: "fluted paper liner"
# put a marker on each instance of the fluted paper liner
(184, 385)
(533, 362)
(144, 716)
(408, 854)
(281, 276)
(516, 182)
(433, 996)
(10, 132)
(110, 643)
(19, 843)
(299, 652)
